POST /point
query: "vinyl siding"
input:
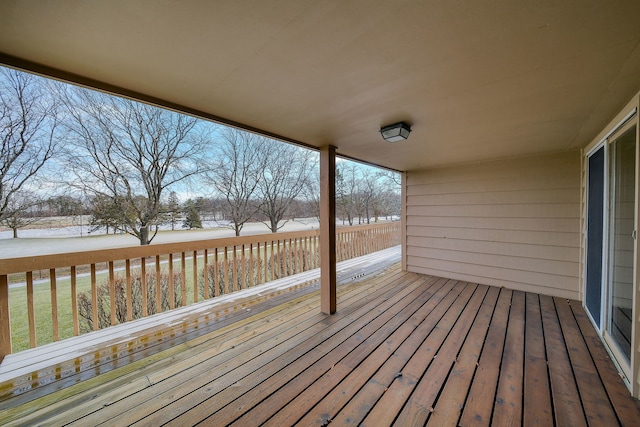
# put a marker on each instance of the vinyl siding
(512, 223)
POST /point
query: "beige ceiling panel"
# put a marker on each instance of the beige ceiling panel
(476, 80)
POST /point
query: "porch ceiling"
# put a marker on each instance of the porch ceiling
(476, 80)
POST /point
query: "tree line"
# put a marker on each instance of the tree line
(134, 167)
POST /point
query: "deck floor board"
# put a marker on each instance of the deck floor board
(403, 349)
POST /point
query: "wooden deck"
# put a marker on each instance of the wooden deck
(403, 349)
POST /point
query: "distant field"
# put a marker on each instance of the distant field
(54, 222)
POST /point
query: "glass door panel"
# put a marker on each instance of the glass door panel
(622, 192)
(595, 234)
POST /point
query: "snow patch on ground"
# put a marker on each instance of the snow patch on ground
(47, 241)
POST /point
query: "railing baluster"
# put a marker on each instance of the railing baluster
(195, 276)
(127, 272)
(346, 237)
(5, 322)
(216, 280)
(158, 286)
(303, 244)
(288, 257)
(143, 284)
(226, 270)
(260, 264)
(243, 265)
(54, 304)
(183, 275)
(94, 298)
(282, 258)
(273, 266)
(265, 264)
(278, 261)
(74, 301)
(205, 274)
(296, 256)
(31, 311)
(251, 278)
(234, 270)
(112, 293)
(296, 243)
(172, 289)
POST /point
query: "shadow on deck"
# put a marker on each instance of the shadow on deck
(403, 348)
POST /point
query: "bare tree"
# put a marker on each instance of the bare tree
(387, 200)
(367, 191)
(236, 175)
(28, 130)
(285, 175)
(311, 192)
(105, 213)
(347, 179)
(19, 213)
(131, 153)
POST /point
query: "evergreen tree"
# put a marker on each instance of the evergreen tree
(192, 219)
(173, 209)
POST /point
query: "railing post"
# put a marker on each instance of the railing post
(5, 325)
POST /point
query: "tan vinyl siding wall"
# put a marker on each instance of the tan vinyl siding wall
(512, 223)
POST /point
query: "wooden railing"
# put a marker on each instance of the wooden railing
(51, 297)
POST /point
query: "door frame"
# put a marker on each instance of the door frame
(624, 121)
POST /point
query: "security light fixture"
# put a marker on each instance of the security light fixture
(395, 132)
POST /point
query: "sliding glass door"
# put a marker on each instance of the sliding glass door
(611, 240)
(622, 201)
